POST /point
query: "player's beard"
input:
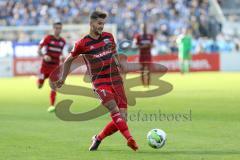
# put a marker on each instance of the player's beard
(96, 31)
(99, 31)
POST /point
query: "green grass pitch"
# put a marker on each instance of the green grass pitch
(28, 132)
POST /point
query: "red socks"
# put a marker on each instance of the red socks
(116, 124)
(121, 125)
(109, 129)
(52, 97)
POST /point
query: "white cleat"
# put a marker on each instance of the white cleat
(51, 109)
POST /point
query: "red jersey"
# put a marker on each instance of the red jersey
(98, 56)
(145, 53)
(54, 48)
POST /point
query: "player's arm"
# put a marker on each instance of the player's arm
(43, 43)
(116, 56)
(67, 63)
(117, 60)
(120, 61)
(39, 51)
(66, 68)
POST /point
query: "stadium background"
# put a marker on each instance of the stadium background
(211, 94)
(214, 41)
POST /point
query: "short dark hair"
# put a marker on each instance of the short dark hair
(57, 22)
(98, 14)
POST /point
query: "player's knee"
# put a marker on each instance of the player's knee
(112, 106)
(124, 115)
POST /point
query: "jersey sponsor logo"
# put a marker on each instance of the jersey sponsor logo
(106, 41)
(102, 54)
(57, 43)
(145, 42)
(55, 49)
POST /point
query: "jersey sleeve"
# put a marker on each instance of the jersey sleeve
(44, 41)
(77, 49)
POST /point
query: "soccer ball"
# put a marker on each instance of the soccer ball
(156, 138)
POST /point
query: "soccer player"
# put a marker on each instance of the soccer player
(53, 45)
(144, 42)
(184, 42)
(98, 49)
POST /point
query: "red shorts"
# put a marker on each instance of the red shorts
(145, 58)
(113, 92)
(44, 74)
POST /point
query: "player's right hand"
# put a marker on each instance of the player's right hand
(47, 58)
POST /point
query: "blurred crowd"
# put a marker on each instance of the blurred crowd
(230, 10)
(165, 18)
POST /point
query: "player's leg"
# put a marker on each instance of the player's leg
(52, 97)
(116, 123)
(131, 142)
(187, 63)
(148, 77)
(111, 128)
(184, 61)
(181, 63)
(109, 102)
(121, 99)
(40, 80)
(53, 94)
(120, 123)
(142, 73)
(148, 73)
(108, 130)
